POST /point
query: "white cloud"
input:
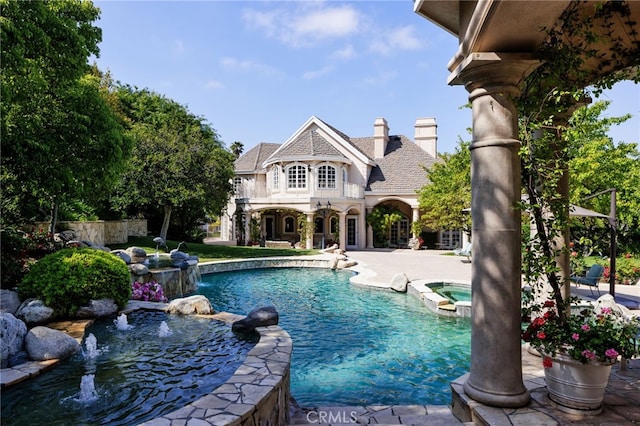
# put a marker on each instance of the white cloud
(311, 75)
(380, 79)
(306, 25)
(346, 52)
(399, 39)
(249, 66)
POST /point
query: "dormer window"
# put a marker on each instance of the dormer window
(297, 177)
(326, 177)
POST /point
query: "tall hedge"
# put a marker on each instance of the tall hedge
(70, 278)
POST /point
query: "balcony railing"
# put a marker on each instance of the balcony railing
(347, 190)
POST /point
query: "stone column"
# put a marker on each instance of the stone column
(310, 224)
(416, 217)
(369, 229)
(496, 361)
(342, 229)
(247, 226)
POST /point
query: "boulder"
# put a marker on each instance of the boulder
(138, 254)
(98, 309)
(138, 269)
(260, 317)
(44, 343)
(346, 263)
(12, 334)
(9, 301)
(34, 311)
(399, 283)
(122, 255)
(191, 305)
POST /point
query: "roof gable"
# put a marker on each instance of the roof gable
(315, 139)
(251, 161)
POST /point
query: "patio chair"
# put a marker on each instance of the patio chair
(591, 279)
(464, 251)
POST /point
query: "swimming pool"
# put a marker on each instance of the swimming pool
(351, 345)
(455, 293)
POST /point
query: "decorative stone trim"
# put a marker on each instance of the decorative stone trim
(321, 261)
(257, 394)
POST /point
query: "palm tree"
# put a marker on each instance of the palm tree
(237, 148)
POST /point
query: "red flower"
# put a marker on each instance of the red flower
(540, 335)
(549, 315)
(547, 362)
(549, 304)
(538, 322)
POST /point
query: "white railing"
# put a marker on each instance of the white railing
(348, 190)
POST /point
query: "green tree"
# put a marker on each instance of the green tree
(446, 197)
(598, 164)
(178, 163)
(60, 140)
(237, 148)
(381, 219)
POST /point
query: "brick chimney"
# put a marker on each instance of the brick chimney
(426, 135)
(380, 137)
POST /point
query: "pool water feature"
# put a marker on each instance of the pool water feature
(351, 345)
(455, 293)
(137, 375)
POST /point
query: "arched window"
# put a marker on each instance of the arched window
(237, 185)
(297, 177)
(333, 225)
(289, 225)
(326, 177)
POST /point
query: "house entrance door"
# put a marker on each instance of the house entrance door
(352, 232)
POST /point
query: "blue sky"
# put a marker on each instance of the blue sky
(257, 70)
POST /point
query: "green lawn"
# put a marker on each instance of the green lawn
(213, 252)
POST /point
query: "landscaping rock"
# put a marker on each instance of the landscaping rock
(12, 334)
(138, 254)
(122, 255)
(138, 269)
(399, 283)
(34, 311)
(191, 305)
(346, 263)
(43, 343)
(9, 301)
(260, 317)
(98, 309)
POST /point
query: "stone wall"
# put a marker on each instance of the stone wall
(101, 232)
(265, 262)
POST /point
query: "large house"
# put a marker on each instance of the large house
(327, 182)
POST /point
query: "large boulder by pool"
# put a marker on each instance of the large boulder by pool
(191, 305)
(43, 343)
(260, 317)
(399, 283)
(13, 332)
(34, 311)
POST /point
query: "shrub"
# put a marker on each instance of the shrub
(70, 278)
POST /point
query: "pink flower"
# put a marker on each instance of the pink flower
(588, 354)
(605, 310)
(547, 362)
(575, 336)
(611, 353)
(585, 327)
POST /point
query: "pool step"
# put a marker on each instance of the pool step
(448, 307)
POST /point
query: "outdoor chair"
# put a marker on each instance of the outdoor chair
(591, 279)
(464, 251)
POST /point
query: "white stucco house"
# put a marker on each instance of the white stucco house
(331, 181)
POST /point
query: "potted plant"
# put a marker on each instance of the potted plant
(579, 349)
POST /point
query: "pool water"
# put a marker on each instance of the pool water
(351, 345)
(454, 293)
(138, 375)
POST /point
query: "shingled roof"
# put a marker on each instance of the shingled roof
(307, 145)
(401, 169)
(252, 160)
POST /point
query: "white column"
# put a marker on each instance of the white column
(310, 231)
(369, 230)
(342, 229)
(416, 217)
